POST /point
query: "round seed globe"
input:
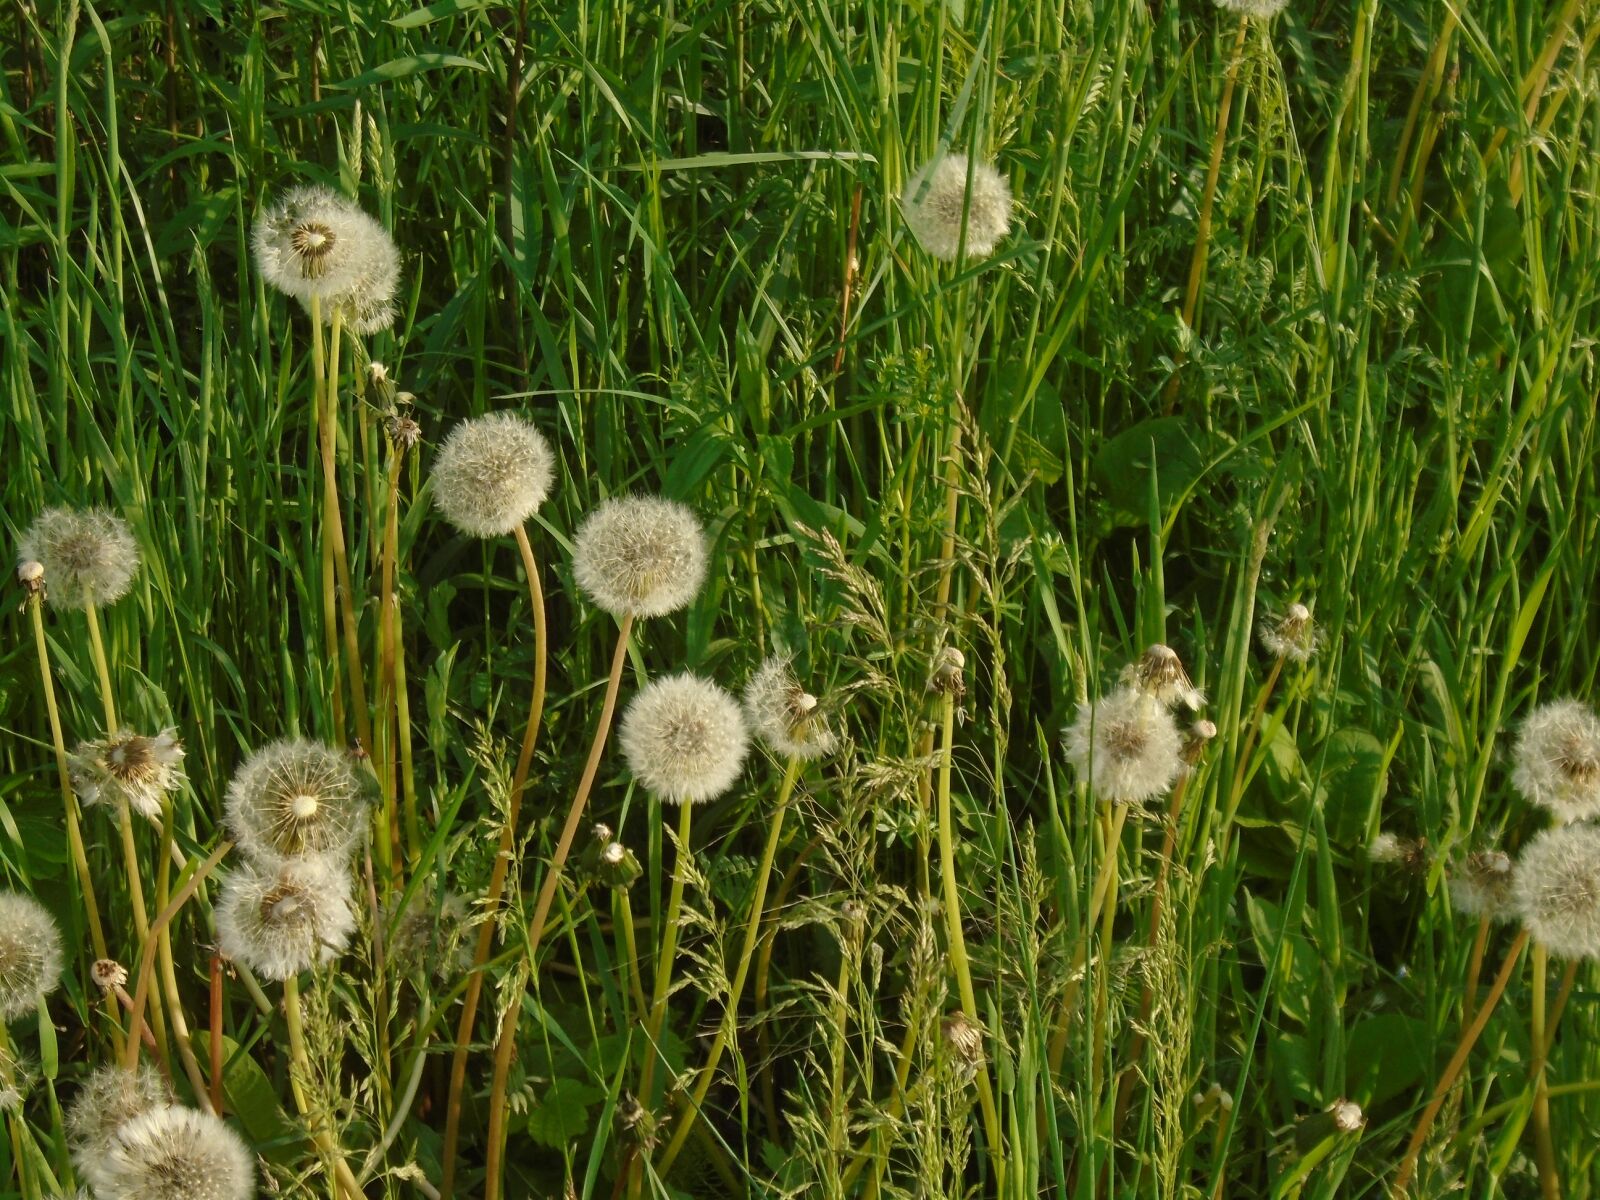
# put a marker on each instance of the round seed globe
(641, 556)
(492, 473)
(282, 919)
(30, 954)
(88, 555)
(684, 739)
(173, 1153)
(294, 797)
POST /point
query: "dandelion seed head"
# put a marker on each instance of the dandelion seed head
(492, 473)
(173, 1153)
(366, 305)
(640, 555)
(314, 242)
(1556, 760)
(295, 797)
(88, 555)
(1556, 890)
(431, 933)
(108, 974)
(1293, 635)
(935, 201)
(127, 768)
(684, 739)
(1159, 672)
(1260, 9)
(1126, 745)
(1386, 848)
(784, 715)
(1481, 886)
(30, 954)
(283, 918)
(108, 1098)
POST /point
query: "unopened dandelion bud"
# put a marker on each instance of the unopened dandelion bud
(1159, 672)
(684, 739)
(618, 866)
(173, 1153)
(108, 1098)
(128, 769)
(492, 473)
(294, 797)
(88, 556)
(30, 954)
(641, 556)
(1213, 1100)
(108, 974)
(1292, 636)
(1556, 890)
(1126, 746)
(1481, 885)
(784, 715)
(282, 919)
(1556, 760)
(946, 218)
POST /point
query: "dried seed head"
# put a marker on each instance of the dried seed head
(1347, 1116)
(1410, 854)
(634, 1123)
(1159, 672)
(947, 677)
(108, 974)
(684, 739)
(281, 919)
(30, 954)
(173, 1153)
(432, 934)
(784, 715)
(128, 768)
(1556, 890)
(640, 555)
(88, 555)
(938, 208)
(1481, 886)
(30, 574)
(492, 473)
(295, 797)
(963, 1037)
(314, 242)
(1260, 9)
(1293, 636)
(1556, 760)
(1126, 746)
(403, 431)
(107, 1099)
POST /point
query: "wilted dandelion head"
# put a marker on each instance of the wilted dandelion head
(281, 919)
(1262, 9)
(963, 1039)
(128, 768)
(1292, 635)
(1481, 885)
(684, 739)
(88, 555)
(1159, 672)
(295, 797)
(1126, 746)
(1390, 849)
(784, 715)
(314, 242)
(107, 1099)
(30, 954)
(936, 200)
(640, 555)
(1556, 760)
(1556, 890)
(108, 974)
(431, 934)
(173, 1153)
(492, 473)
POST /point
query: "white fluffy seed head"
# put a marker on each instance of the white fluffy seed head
(1126, 746)
(30, 954)
(284, 918)
(640, 555)
(1292, 635)
(314, 242)
(684, 739)
(1262, 9)
(295, 797)
(491, 474)
(88, 555)
(1556, 890)
(936, 200)
(1556, 760)
(784, 715)
(173, 1153)
(366, 306)
(128, 768)
(108, 1099)
(1159, 672)
(1481, 886)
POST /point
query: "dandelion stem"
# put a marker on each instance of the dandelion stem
(669, 951)
(730, 1014)
(1458, 1060)
(1544, 1145)
(623, 905)
(299, 1073)
(97, 650)
(141, 919)
(169, 976)
(388, 638)
(1474, 969)
(322, 414)
(341, 554)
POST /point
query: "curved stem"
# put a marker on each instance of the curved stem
(169, 975)
(1474, 969)
(141, 920)
(730, 1014)
(1544, 1144)
(1458, 1060)
(1202, 236)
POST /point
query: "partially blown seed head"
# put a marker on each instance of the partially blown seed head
(1293, 636)
(1126, 746)
(314, 242)
(936, 201)
(492, 473)
(784, 715)
(88, 555)
(128, 768)
(640, 555)
(108, 1098)
(282, 919)
(1159, 672)
(30, 954)
(173, 1153)
(1481, 886)
(295, 797)
(1556, 760)
(1556, 890)
(684, 739)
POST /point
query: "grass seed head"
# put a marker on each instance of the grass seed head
(936, 201)
(684, 739)
(88, 555)
(1556, 760)
(492, 473)
(109, 1098)
(173, 1153)
(281, 919)
(1556, 890)
(294, 797)
(1126, 746)
(314, 242)
(30, 954)
(640, 555)
(128, 768)
(784, 715)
